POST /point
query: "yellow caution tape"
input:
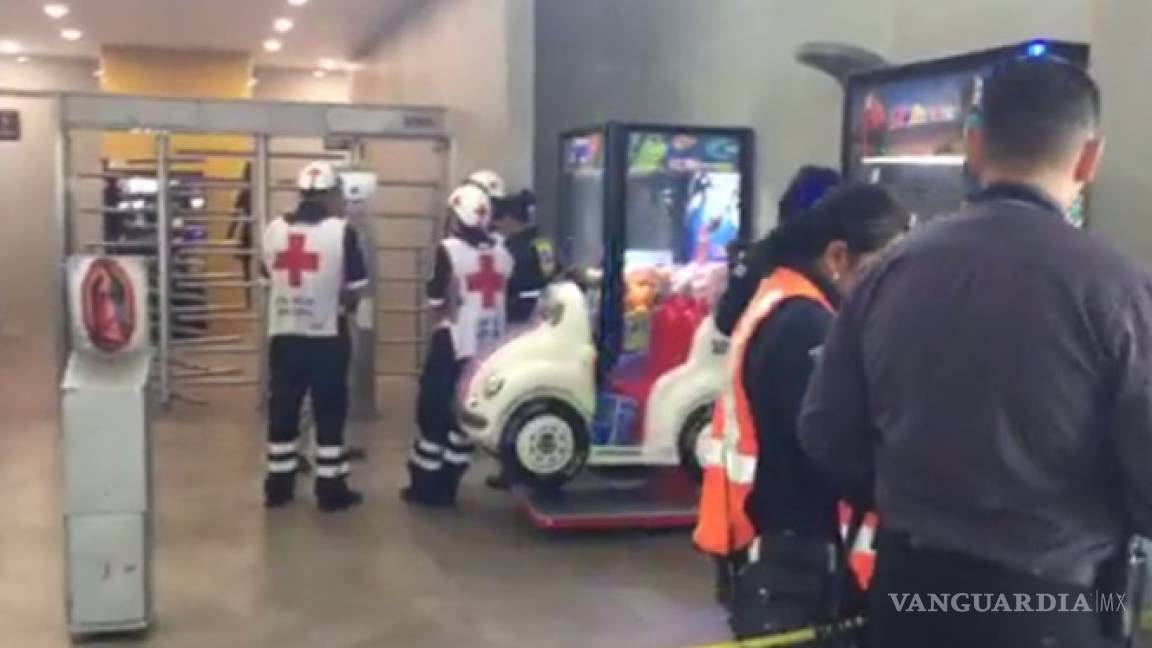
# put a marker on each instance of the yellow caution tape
(790, 638)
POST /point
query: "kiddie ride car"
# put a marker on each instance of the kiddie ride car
(537, 404)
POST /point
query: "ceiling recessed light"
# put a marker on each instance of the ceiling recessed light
(328, 64)
(99, 74)
(71, 34)
(10, 47)
(283, 25)
(56, 10)
(22, 59)
(297, 3)
(253, 82)
(319, 74)
(273, 45)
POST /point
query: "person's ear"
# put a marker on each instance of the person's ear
(1089, 162)
(974, 142)
(837, 259)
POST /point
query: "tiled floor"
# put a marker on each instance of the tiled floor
(231, 576)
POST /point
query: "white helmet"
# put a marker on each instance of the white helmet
(471, 205)
(317, 176)
(489, 181)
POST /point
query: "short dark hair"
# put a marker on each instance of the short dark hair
(1036, 110)
(866, 217)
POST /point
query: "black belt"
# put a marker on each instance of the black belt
(1086, 576)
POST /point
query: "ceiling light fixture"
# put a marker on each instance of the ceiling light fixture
(10, 47)
(297, 3)
(99, 74)
(283, 25)
(253, 82)
(328, 64)
(56, 10)
(273, 45)
(22, 59)
(319, 74)
(71, 34)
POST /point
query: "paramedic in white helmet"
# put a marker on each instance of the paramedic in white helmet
(490, 182)
(315, 269)
(467, 293)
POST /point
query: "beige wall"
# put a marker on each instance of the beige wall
(28, 248)
(279, 84)
(475, 58)
(1122, 198)
(49, 75)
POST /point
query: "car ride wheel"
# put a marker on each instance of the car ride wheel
(691, 434)
(545, 444)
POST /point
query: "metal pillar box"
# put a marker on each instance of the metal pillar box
(104, 414)
(106, 458)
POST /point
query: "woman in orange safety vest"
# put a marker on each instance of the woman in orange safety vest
(757, 482)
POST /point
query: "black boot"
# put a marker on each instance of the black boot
(279, 489)
(424, 489)
(333, 495)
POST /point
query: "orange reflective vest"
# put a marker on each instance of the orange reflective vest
(730, 449)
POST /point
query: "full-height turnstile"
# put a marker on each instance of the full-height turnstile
(192, 193)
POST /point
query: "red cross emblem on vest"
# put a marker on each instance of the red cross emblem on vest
(486, 281)
(296, 260)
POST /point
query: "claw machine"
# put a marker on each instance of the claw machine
(904, 126)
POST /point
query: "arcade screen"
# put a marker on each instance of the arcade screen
(908, 133)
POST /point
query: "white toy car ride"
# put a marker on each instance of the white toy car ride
(533, 401)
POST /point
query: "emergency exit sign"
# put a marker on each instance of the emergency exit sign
(9, 126)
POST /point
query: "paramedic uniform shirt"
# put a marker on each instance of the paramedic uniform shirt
(533, 265)
(990, 381)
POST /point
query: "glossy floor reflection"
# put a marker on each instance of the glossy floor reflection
(231, 576)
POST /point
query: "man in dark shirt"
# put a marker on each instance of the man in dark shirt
(533, 266)
(989, 384)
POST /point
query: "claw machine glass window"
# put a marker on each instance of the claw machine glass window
(649, 214)
(905, 126)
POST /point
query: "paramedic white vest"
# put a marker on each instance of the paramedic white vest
(480, 276)
(305, 263)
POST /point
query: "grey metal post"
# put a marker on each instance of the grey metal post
(260, 188)
(164, 265)
(65, 237)
(362, 381)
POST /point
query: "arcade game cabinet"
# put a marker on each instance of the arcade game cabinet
(905, 126)
(647, 215)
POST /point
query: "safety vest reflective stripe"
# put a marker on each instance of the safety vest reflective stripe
(740, 469)
(731, 449)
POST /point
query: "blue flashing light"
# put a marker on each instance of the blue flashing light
(1037, 49)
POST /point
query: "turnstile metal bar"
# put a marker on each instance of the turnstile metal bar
(190, 213)
(204, 276)
(403, 216)
(207, 372)
(210, 244)
(217, 183)
(218, 382)
(193, 251)
(207, 340)
(211, 308)
(192, 283)
(218, 219)
(217, 317)
(286, 155)
(112, 245)
(236, 349)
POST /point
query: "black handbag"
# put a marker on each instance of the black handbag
(801, 588)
